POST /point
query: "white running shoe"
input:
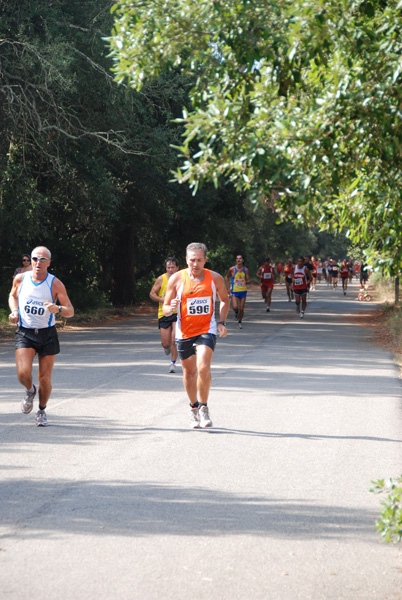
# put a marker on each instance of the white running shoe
(239, 325)
(172, 368)
(167, 350)
(302, 314)
(41, 419)
(195, 418)
(205, 420)
(27, 402)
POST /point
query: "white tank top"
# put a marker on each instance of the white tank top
(31, 302)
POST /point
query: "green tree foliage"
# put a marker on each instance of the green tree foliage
(297, 99)
(86, 164)
(83, 162)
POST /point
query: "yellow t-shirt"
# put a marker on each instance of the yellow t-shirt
(238, 281)
(162, 294)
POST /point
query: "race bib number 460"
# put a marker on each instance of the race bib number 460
(199, 306)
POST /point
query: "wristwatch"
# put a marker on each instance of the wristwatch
(222, 323)
(60, 309)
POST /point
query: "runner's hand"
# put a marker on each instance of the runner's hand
(175, 304)
(222, 330)
(51, 307)
(13, 316)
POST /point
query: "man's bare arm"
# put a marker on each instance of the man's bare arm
(171, 302)
(224, 302)
(61, 296)
(13, 298)
(153, 294)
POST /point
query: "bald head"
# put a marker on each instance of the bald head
(42, 250)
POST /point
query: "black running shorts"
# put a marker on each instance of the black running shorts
(187, 347)
(301, 292)
(44, 341)
(166, 322)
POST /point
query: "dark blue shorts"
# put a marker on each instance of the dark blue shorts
(188, 347)
(239, 295)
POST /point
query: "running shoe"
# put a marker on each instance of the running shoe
(167, 350)
(195, 418)
(41, 419)
(205, 420)
(239, 325)
(302, 314)
(267, 308)
(27, 402)
(172, 368)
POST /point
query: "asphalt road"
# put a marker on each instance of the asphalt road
(118, 498)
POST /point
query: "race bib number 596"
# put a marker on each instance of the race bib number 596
(199, 306)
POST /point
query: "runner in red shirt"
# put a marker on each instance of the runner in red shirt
(288, 278)
(344, 275)
(301, 278)
(279, 270)
(266, 273)
(314, 273)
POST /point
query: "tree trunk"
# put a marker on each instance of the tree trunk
(124, 283)
(397, 289)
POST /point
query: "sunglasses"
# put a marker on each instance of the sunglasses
(26, 260)
(40, 259)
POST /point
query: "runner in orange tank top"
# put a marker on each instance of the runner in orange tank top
(192, 293)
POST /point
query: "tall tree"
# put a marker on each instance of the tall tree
(300, 101)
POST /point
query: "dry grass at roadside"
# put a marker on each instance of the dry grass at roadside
(93, 318)
(388, 319)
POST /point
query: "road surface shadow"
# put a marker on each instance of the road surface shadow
(39, 509)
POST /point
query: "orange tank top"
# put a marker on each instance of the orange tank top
(196, 314)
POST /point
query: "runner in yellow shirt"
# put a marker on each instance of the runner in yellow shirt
(167, 325)
(237, 278)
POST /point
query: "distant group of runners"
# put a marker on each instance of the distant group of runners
(300, 278)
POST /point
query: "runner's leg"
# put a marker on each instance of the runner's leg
(241, 308)
(173, 343)
(235, 306)
(204, 358)
(189, 366)
(45, 378)
(166, 337)
(269, 296)
(24, 358)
